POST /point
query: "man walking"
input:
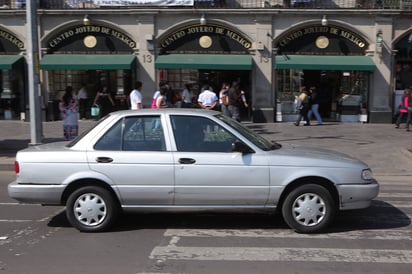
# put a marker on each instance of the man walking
(136, 97)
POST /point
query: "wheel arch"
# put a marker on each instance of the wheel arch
(87, 182)
(316, 180)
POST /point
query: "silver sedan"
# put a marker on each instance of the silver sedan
(188, 160)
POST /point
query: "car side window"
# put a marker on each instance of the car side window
(137, 133)
(200, 134)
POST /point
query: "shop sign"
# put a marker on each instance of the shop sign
(208, 38)
(80, 31)
(321, 39)
(11, 39)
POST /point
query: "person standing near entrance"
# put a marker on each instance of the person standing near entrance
(136, 97)
(303, 106)
(186, 97)
(237, 98)
(68, 108)
(224, 98)
(82, 97)
(207, 98)
(314, 105)
(105, 101)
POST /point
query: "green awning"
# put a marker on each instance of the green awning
(11, 61)
(87, 61)
(204, 61)
(317, 62)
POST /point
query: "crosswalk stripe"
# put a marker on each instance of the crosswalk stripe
(172, 252)
(393, 234)
(394, 195)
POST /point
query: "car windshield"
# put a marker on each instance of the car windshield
(249, 134)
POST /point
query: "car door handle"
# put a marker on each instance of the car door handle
(104, 160)
(187, 161)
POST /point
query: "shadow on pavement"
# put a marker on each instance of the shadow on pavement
(380, 215)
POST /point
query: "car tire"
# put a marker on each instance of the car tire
(308, 208)
(91, 209)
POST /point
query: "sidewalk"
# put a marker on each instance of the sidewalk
(381, 146)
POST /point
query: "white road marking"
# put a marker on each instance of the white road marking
(389, 234)
(14, 221)
(282, 254)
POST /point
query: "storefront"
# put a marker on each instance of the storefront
(93, 56)
(211, 53)
(331, 58)
(12, 76)
(403, 67)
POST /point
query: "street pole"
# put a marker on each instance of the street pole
(36, 130)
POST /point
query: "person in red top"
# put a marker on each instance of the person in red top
(409, 118)
(403, 108)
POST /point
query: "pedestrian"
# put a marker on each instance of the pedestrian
(136, 98)
(207, 98)
(170, 96)
(104, 100)
(69, 110)
(314, 105)
(303, 106)
(161, 99)
(237, 98)
(156, 94)
(186, 97)
(224, 99)
(83, 101)
(404, 105)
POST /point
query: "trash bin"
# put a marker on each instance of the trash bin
(349, 108)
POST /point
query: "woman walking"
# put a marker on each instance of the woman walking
(69, 108)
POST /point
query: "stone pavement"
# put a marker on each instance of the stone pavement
(384, 148)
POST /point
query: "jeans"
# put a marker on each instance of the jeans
(315, 110)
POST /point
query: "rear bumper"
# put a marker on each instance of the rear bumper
(36, 194)
(357, 196)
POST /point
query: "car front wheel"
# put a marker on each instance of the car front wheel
(91, 209)
(308, 208)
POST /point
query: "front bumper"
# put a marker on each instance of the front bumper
(36, 194)
(358, 195)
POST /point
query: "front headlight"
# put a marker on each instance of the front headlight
(367, 174)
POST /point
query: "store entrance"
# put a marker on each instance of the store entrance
(216, 78)
(340, 92)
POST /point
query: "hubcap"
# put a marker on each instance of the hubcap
(90, 209)
(309, 209)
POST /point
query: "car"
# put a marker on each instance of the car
(162, 160)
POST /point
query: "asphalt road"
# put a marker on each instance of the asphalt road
(36, 239)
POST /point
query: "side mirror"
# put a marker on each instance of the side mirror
(239, 146)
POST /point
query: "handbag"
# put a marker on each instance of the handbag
(95, 110)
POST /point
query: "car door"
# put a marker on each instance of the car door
(132, 154)
(208, 173)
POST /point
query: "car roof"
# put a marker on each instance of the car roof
(188, 111)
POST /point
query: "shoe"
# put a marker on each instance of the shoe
(397, 126)
(296, 124)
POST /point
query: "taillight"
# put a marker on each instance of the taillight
(16, 167)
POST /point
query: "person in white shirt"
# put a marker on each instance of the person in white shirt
(207, 99)
(82, 98)
(136, 98)
(186, 98)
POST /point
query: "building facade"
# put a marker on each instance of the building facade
(358, 54)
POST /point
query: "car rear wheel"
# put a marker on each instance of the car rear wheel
(308, 208)
(91, 209)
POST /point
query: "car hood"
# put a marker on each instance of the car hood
(307, 156)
